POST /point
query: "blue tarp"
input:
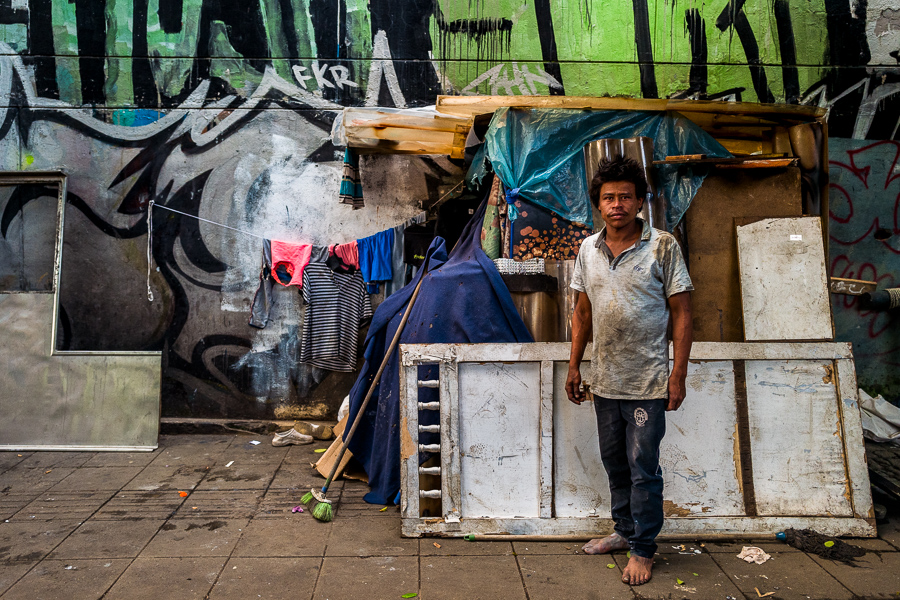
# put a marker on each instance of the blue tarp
(538, 153)
(462, 300)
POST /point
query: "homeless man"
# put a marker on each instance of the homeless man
(629, 277)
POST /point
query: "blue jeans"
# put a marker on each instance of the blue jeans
(630, 434)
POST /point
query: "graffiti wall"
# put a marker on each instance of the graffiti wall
(865, 244)
(222, 110)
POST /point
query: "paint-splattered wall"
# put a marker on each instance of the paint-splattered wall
(222, 109)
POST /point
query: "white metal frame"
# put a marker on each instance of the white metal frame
(451, 523)
(58, 179)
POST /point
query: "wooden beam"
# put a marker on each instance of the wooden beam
(469, 106)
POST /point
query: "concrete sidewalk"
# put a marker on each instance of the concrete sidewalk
(114, 526)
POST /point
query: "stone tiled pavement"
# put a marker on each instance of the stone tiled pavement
(114, 526)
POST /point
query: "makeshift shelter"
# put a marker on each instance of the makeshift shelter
(728, 172)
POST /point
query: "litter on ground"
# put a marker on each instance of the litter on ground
(752, 554)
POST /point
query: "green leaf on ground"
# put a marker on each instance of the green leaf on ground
(829, 544)
(610, 566)
(679, 582)
(409, 595)
(695, 575)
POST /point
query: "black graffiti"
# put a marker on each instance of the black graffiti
(644, 49)
(145, 93)
(733, 16)
(40, 48)
(244, 28)
(406, 27)
(696, 26)
(788, 51)
(547, 37)
(170, 13)
(90, 24)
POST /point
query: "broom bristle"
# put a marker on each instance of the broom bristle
(306, 498)
(323, 512)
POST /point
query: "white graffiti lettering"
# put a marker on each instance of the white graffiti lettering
(299, 76)
(522, 80)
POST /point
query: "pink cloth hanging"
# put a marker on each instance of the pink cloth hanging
(349, 253)
(294, 258)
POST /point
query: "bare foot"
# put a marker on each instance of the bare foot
(610, 543)
(637, 571)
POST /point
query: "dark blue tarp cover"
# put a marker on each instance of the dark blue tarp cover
(462, 300)
(538, 152)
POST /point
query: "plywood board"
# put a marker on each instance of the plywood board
(712, 248)
(784, 286)
(581, 488)
(796, 439)
(699, 453)
(499, 439)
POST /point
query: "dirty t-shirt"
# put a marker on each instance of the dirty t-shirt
(628, 294)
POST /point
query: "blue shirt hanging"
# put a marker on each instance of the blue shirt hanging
(375, 258)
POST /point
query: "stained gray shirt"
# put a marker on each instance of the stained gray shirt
(628, 294)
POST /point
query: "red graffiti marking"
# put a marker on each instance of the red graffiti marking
(863, 173)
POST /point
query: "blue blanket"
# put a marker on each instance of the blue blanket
(462, 300)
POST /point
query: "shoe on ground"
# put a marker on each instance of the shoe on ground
(290, 437)
(319, 432)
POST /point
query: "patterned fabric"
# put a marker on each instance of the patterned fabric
(336, 307)
(491, 233)
(539, 233)
(351, 187)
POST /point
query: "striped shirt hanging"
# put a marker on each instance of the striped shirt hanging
(337, 305)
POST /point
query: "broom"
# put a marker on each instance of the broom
(324, 511)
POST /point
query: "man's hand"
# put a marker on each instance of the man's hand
(676, 390)
(573, 386)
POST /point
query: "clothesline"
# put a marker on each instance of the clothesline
(150, 233)
(152, 204)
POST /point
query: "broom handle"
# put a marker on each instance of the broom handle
(365, 402)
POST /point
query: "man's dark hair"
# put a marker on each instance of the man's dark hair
(618, 169)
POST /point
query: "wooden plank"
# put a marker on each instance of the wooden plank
(363, 135)
(468, 106)
(581, 488)
(736, 163)
(797, 446)
(414, 354)
(375, 146)
(410, 119)
(409, 442)
(546, 439)
(771, 163)
(784, 286)
(499, 439)
(711, 244)
(851, 287)
(852, 435)
(694, 527)
(700, 471)
(450, 464)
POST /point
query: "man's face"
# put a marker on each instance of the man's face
(618, 204)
